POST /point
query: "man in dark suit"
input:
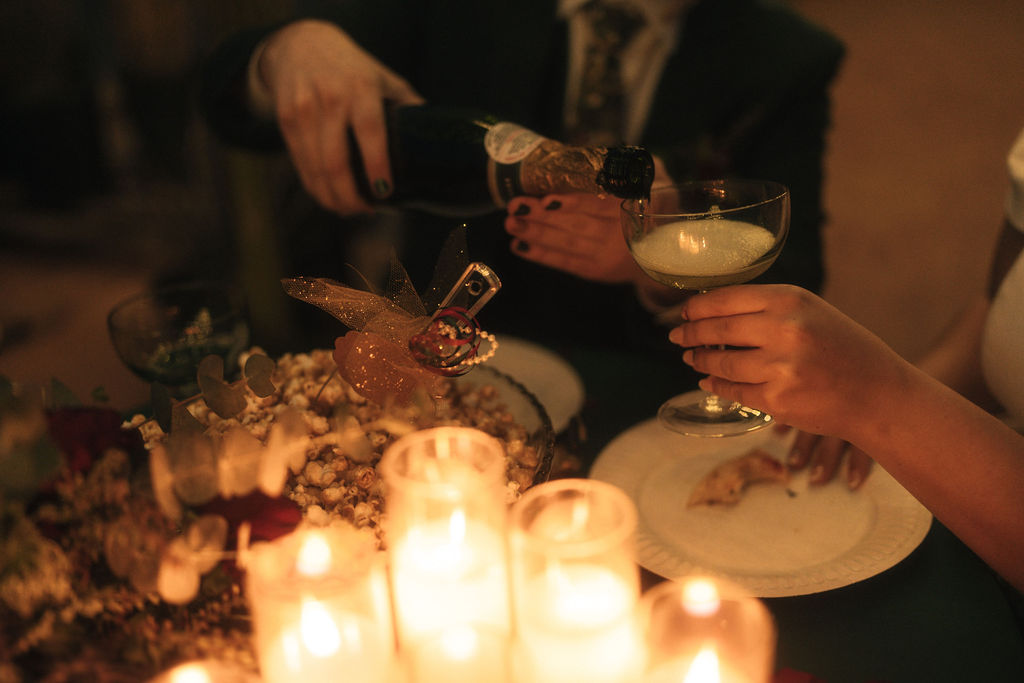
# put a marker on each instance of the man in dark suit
(740, 88)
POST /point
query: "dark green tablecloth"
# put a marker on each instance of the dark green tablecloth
(940, 615)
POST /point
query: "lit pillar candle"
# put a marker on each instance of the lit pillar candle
(460, 654)
(445, 529)
(575, 584)
(320, 605)
(703, 630)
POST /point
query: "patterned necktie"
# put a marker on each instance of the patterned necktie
(601, 107)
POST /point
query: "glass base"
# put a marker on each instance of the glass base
(698, 413)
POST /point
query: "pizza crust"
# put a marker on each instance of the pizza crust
(725, 484)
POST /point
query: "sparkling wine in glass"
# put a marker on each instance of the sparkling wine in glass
(697, 236)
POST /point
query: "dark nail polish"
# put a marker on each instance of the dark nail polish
(553, 205)
(521, 210)
(381, 188)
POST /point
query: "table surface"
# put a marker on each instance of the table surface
(940, 615)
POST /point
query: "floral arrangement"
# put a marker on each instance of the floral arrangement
(118, 539)
(95, 541)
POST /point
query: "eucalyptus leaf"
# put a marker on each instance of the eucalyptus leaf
(286, 450)
(258, 370)
(224, 399)
(184, 423)
(239, 463)
(177, 578)
(206, 538)
(193, 465)
(210, 366)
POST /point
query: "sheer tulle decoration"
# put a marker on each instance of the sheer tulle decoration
(398, 341)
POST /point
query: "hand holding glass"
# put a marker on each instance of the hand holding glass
(701, 235)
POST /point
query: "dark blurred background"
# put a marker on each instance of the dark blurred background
(109, 181)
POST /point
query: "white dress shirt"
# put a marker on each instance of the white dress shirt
(1002, 349)
(642, 62)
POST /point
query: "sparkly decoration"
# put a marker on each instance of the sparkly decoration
(395, 346)
(451, 343)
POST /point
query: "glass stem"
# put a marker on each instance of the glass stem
(713, 404)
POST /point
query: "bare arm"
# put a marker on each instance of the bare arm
(955, 360)
(814, 368)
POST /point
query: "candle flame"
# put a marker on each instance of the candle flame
(586, 598)
(320, 634)
(457, 527)
(704, 668)
(700, 597)
(460, 643)
(580, 515)
(441, 550)
(191, 673)
(314, 558)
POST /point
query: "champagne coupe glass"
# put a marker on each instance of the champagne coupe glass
(697, 236)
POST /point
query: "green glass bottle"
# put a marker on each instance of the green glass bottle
(460, 162)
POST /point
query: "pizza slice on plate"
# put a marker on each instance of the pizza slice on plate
(725, 484)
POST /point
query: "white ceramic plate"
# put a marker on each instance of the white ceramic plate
(545, 374)
(775, 542)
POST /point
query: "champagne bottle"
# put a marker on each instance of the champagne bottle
(459, 162)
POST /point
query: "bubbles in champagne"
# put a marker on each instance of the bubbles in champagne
(715, 246)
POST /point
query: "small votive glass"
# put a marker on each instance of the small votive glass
(705, 630)
(575, 583)
(445, 530)
(320, 606)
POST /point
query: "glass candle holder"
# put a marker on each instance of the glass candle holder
(704, 630)
(445, 529)
(320, 605)
(575, 583)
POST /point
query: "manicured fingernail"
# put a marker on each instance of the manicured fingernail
(381, 188)
(553, 205)
(817, 473)
(521, 210)
(675, 336)
(854, 480)
(521, 246)
(688, 356)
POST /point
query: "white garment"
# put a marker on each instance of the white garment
(1002, 346)
(642, 62)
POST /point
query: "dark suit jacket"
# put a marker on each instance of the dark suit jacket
(744, 94)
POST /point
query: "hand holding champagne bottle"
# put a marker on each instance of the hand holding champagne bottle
(353, 136)
(319, 84)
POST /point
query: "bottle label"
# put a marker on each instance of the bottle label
(509, 143)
